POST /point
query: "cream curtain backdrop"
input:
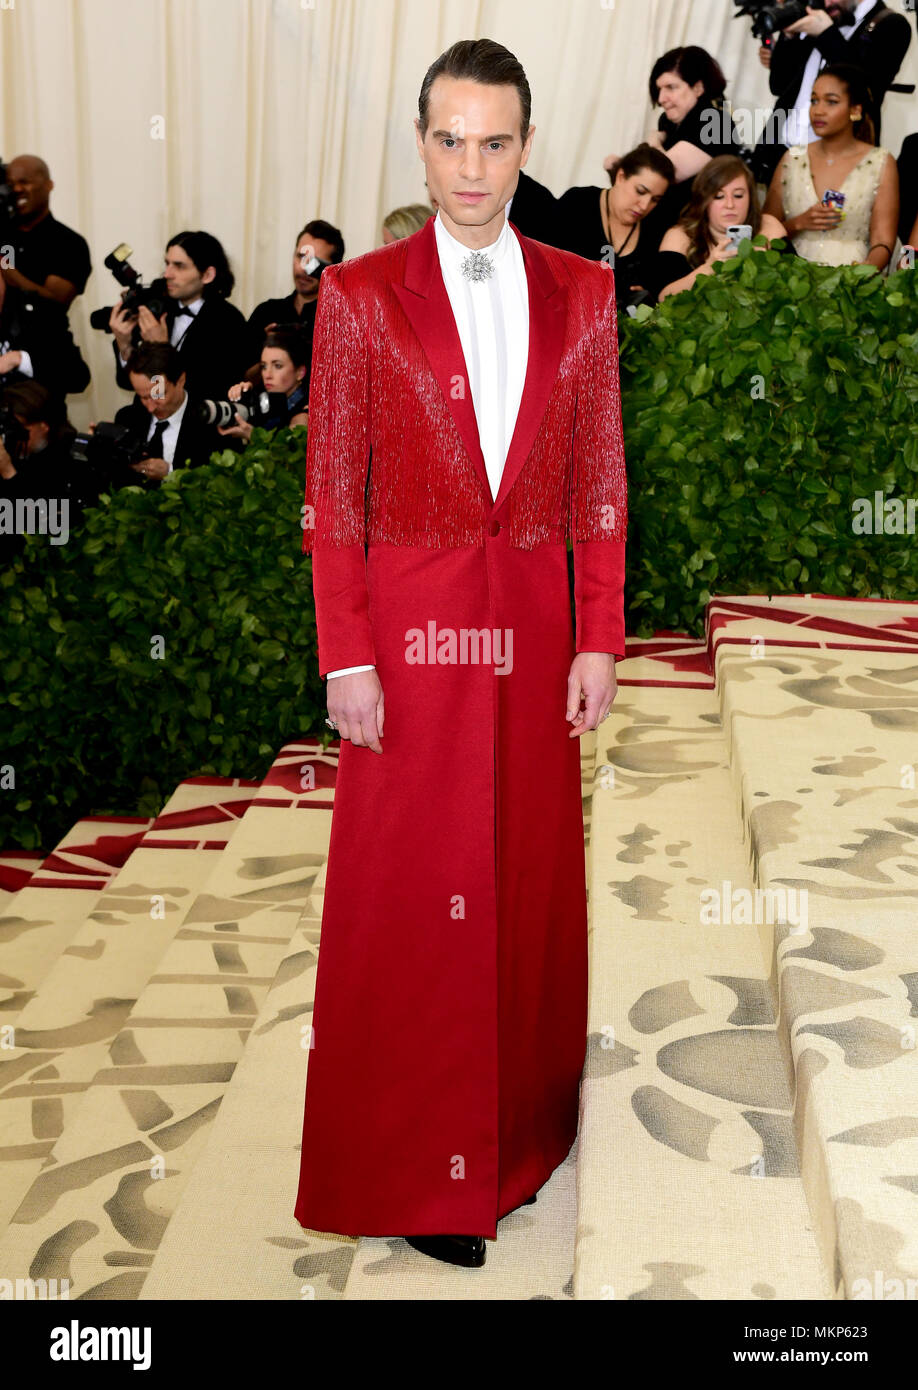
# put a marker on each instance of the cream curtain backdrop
(249, 117)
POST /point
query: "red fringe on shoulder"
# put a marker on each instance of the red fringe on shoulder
(385, 461)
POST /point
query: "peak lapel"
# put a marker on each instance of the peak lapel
(547, 322)
(423, 297)
(425, 301)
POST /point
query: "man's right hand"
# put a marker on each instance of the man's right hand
(765, 56)
(122, 326)
(355, 703)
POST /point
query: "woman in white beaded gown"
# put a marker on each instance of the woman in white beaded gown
(845, 160)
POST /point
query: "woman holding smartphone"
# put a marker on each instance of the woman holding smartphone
(723, 196)
(839, 196)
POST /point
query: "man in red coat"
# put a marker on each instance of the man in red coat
(465, 422)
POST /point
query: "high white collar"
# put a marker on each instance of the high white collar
(456, 252)
(862, 9)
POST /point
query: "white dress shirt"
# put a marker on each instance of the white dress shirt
(492, 318)
(180, 326)
(798, 130)
(171, 433)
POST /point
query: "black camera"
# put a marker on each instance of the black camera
(154, 296)
(13, 433)
(313, 266)
(106, 455)
(769, 19)
(265, 408)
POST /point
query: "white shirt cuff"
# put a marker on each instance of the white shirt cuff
(347, 671)
(25, 365)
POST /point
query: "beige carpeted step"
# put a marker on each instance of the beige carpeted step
(687, 1175)
(232, 1234)
(16, 868)
(825, 757)
(54, 899)
(38, 924)
(107, 944)
(97, 1210)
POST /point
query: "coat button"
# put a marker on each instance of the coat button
(493, 528)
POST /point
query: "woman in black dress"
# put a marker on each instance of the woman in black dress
(695, 125)
(621, 224)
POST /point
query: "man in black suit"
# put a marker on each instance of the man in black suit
(164, 415)
(319, 240)
(201, 324)
(866, 33)
(36, 343)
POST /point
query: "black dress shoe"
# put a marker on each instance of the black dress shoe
(468, 1251)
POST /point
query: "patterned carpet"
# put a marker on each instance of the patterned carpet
(749, 1109)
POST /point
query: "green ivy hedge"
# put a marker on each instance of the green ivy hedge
(757, 406)
(174, 635)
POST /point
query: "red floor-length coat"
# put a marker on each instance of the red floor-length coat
(451, 993)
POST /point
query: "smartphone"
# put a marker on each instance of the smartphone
(736, 234)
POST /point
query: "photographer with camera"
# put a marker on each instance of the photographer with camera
(867, 34)
(163, 416)
(198, 320)
(36, 342)
(281, 374)
(49, 260)
(35, 438)
(319, 244)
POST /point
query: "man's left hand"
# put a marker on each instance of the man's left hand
(151, 468)
(152, 329)
(815, 23)
(592, 679)
(10, 361)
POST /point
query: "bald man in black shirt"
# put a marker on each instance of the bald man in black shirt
(49, 259)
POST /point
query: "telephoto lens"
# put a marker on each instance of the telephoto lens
(256, 408)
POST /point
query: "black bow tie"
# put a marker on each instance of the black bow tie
(180, 310)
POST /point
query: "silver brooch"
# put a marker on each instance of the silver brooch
(477, 266)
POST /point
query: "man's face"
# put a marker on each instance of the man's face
(472, 150)
(30, 187)
(307, 247)
(836, 9)
(184, 280)
(158, 394)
